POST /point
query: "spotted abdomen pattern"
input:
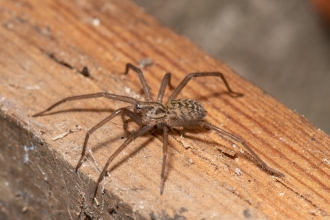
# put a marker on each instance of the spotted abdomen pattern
(185, 110)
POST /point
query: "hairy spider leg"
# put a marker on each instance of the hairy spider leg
(166, 81)
(240, 140)
(143, 81)
(121, 111)
(89, 96)
(165, 149)
(136, 134)
(202, 74)
(236, 138)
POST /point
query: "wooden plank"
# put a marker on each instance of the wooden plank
(44, 47)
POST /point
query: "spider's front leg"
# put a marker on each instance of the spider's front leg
(89, 96)
(122, 111)
(143, 81)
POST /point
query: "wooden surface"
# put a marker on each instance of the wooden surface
(44, 46)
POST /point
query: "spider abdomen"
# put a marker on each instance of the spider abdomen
(185, 110)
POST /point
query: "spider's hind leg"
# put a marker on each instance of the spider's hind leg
(233, 137)
(242, 142)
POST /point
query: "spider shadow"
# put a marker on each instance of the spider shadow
(213, 94)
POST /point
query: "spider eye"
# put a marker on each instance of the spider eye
(138, 105)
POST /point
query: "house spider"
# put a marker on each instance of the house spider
(153, 115)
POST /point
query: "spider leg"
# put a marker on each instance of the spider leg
(89, 96)
(136, 134)
(143, 81)
(164, 140)
(233, 137)
(122, 111)
(240, 140)
(202, 74)
(165, 149)
(166, 81)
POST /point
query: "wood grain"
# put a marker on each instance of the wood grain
(45, 45)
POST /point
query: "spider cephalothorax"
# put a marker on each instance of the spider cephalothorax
(150, 111)
(150, 115)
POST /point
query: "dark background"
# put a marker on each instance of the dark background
(281, 46)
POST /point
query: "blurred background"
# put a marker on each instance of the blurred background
(281, 46)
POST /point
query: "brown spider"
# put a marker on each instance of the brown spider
(152, 115)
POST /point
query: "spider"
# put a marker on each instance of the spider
(152, 115)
